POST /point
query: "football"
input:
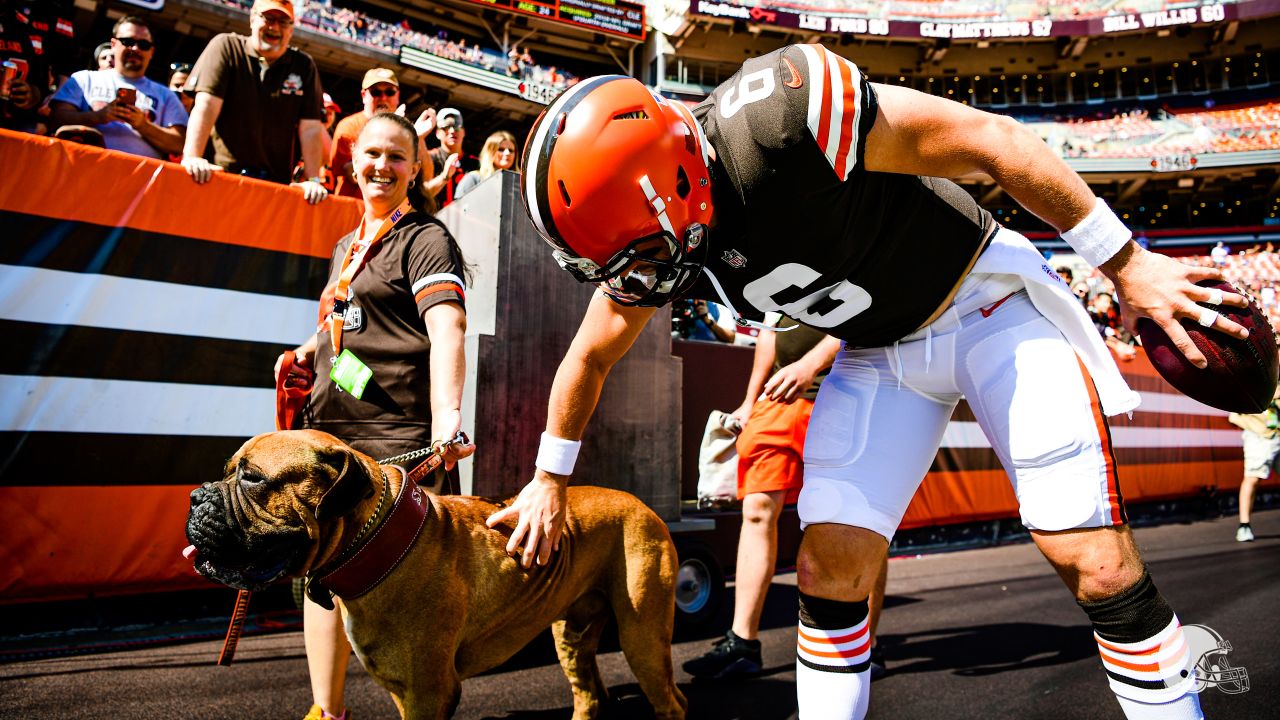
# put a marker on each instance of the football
(1241, 376)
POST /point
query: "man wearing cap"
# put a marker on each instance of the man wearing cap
(131, 112)
(258, 98)
(447, 160)
(380, 92)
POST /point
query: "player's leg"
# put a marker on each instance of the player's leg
(870, 443)
(1039, 408)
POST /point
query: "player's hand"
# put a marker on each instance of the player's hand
(1161, 288)
(787, 384)
(539, 511)
(199, 169)
(313, 191)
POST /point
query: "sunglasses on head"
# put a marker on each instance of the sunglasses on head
(378, 92)
(143, 45)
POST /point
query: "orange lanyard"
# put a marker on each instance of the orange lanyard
(342, 293)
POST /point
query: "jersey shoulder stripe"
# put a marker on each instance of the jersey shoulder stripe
(835, 107)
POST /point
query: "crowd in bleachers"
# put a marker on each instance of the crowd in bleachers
(970, 10)
(1137, 134)
(324, 17)
(1256, 270)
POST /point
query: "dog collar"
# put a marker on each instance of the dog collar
(382, 552)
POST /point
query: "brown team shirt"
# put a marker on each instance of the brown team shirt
(257, 130)
(414, 267)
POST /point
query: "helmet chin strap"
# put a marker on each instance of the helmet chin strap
(724, 300)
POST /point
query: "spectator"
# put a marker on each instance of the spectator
(134, 113)
(103, 58)
(447, 160)
(405, 317)
(331, 112)
(258, 99)
(699, 320)
(1219, 254)
(380, 92)
(178, 74)
(774, 417)
(1067, 275)
(1261, 435)
(499, 153)
(25, 71)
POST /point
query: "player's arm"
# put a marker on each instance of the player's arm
(608, 330)
(919, 134)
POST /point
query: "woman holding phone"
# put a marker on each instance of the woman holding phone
(388, 353)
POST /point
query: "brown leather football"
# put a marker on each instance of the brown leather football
(1241, 376)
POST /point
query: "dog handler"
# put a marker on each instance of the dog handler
(802, 188)
(388, 351)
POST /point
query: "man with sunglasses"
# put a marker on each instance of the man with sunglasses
(134, 113)
(799, 186)
(258, 99)
(379, 92)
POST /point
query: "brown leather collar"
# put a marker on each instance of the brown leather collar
(385, 548)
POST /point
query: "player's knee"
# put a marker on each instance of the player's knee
(1107, 571)
(839, 561)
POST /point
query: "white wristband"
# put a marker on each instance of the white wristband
(557, 455)
(422, 127)
(1099, 236)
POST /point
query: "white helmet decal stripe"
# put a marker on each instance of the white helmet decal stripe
(659, 207)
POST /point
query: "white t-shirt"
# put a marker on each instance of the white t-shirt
(91, 90)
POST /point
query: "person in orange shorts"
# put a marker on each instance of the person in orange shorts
(788, 369)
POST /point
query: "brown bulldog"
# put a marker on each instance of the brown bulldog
(429, 595)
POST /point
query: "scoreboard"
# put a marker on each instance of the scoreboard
(619, 17)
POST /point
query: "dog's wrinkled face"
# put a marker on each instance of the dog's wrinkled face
(268, 518)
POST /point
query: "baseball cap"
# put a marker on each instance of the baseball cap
(329, 103)
(449, 117)
(378, 75)
(284, 6)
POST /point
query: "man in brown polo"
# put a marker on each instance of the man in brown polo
(258, 99)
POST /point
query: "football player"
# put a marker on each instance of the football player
(802, 188)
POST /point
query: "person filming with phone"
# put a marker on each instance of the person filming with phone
(134, 113)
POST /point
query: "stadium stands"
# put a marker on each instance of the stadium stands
(324, 17)
(971, 10)
(1136, 134)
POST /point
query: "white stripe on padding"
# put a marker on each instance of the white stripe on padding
(438, 278)
(967, 434)
(31, 403)
(57, 297)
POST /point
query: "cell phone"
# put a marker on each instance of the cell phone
(127, 96)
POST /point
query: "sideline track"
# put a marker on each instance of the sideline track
(985, 633)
